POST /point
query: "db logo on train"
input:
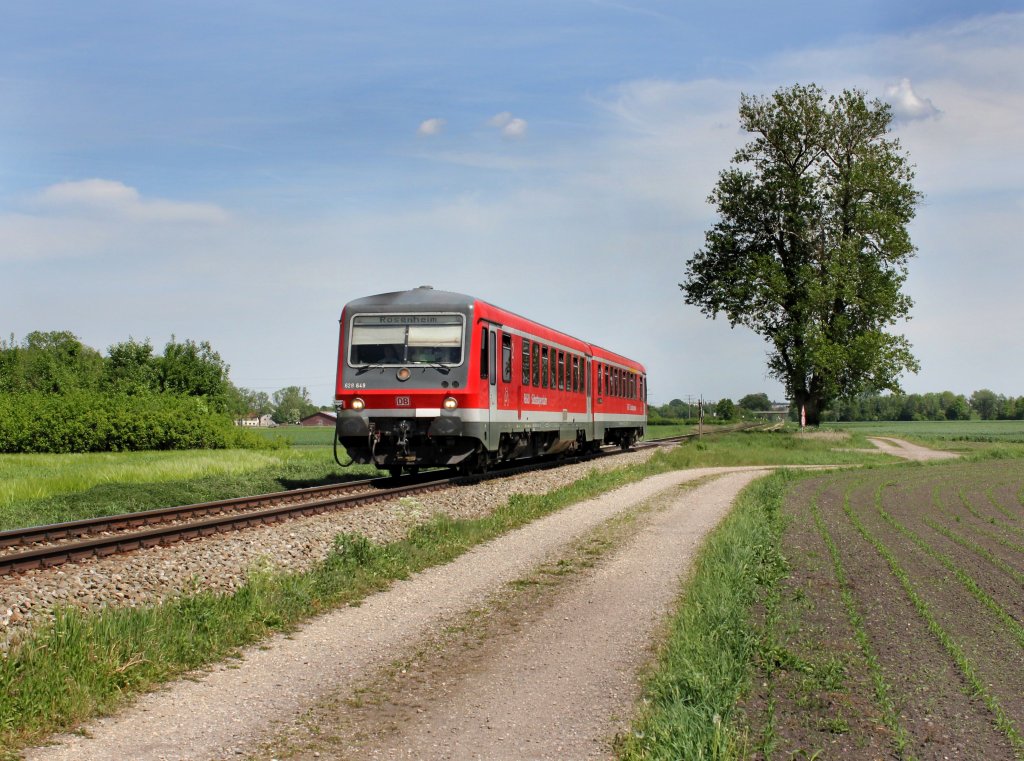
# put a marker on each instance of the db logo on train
(402, 401)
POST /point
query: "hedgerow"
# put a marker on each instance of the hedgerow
(84, 421)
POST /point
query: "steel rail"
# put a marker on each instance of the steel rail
(84, 526)
(49, 556)
(291, 503)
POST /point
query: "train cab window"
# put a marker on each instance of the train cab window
(506, 358)
(393, 340)
(544, 367)
(536, 363)
(526, 361)
(561, 370)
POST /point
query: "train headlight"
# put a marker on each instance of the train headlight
(450, 403)
(358, 404)
(403, 374)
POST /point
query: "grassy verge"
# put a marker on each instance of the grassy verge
(36, 489)
(705, 664)
(85, 664)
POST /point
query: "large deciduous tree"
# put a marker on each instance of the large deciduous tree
(811, 246)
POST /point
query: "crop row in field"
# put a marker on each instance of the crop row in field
(900, 628)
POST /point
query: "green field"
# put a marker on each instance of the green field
(987, 431)
(51, 488)
(299, 435)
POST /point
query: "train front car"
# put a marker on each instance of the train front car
(403, 379)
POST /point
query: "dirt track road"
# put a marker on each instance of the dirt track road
(560, 687)
(908, 451)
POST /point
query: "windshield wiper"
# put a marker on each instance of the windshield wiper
(366, 368)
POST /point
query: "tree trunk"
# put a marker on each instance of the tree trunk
(808, 407)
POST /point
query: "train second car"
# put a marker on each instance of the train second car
(432, 378)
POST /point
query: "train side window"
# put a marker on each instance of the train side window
(554, 369)
(526, 361)
(536, 364)
(607, 380)
(544, 367)
(506, 358)
(561, 370)
(483, 351)
(575, 373)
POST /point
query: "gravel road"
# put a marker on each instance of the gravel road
(908, 451)
(559, 688)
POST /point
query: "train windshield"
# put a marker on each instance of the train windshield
(406, 339)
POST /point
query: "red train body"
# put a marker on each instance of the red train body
(432, 378)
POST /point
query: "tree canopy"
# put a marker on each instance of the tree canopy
(811, 246)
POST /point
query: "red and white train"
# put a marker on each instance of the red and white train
(432, 378)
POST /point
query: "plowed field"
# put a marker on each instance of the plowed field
(899, 632)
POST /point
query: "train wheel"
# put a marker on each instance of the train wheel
(395, 470)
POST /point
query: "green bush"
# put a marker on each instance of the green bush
(84, 421)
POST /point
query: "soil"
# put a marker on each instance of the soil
(816, 696)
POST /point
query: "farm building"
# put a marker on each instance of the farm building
(256, 421)
(320, 418)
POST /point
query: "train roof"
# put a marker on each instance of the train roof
(427, 296)
(424, 296)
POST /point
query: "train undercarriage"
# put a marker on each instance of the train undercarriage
(408, 444)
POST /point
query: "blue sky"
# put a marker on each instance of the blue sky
(235, 172)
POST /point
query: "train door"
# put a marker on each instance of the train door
(492, 385)
(508, 391)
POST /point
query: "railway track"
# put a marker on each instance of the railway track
(51, 545)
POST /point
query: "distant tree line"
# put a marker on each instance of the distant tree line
(59, 395)
(677, 411)
(981, 405)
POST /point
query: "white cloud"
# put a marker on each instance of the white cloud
(98, 217)
(500, 120)
(431, 127)
(515, 129)
(112, 198)
(511, 127)
(907, 105)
